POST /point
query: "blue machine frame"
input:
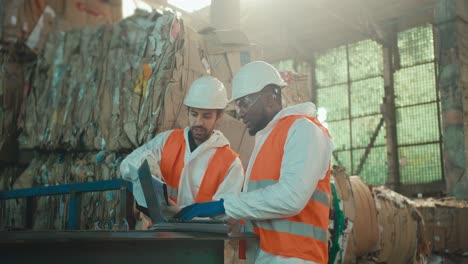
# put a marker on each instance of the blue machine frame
(73, 189)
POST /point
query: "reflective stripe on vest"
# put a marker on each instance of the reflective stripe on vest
(318, 195)
(172, 164)
(172, 192)
(304, 235)
(291, 245)
(296, 228)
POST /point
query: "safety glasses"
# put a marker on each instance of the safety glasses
(246, 102)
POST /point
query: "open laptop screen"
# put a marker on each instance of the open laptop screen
(155, 193)
(155, 196)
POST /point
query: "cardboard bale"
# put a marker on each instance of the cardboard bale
(20, 17)
(32, 10)
(238, 136)
(2, 16)
(81, 13)
(13, 211)
(224, 41)
(116, 87)
(365, 227)
(83, 81)
(400, 229)
(298, 89)
(30, 21)
(445, 224)
(43, 25)
(36, 116)
(345, 191)
(187, 67)
(11, 97)
(350, 256)
(8, 175)
(11, 27)
(50, 212)
(225, 51)
(99, 210)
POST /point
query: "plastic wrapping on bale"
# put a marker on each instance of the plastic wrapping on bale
(400, 228)
(365, 234)
(344, 200)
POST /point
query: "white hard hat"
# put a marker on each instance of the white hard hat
(253, 77)
(206, 92)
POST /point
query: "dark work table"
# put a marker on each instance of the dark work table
(113, 246)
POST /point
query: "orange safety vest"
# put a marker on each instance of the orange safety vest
(172, 163)
(304, 235)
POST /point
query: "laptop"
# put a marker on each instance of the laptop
(156, 197)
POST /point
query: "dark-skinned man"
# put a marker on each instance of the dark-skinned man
(286, 195)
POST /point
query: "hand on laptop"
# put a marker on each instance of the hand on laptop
(207, 209)
(172, 209)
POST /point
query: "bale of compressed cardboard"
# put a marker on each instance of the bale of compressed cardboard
(11, 97)
(51, 212)
(28, 21)
(445, 221)
(400, 228)
(115, 87)
(365, 234)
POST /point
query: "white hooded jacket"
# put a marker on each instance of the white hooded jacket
(195, 165)
(306, 158)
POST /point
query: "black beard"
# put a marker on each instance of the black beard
(262, 123)
(201, 139)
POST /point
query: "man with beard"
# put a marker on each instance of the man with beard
(286, 195)
(196, 163)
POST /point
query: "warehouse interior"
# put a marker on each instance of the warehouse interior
(83, 83)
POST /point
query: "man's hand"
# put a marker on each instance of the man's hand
(207, 209)
(172, 209)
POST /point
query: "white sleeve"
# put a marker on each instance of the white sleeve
(150, 151)
(306, 159)
(233, 181)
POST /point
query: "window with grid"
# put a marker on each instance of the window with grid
(349, 94)
(418, 108)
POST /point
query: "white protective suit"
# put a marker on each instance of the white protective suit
(195, 165)
(306, 159)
